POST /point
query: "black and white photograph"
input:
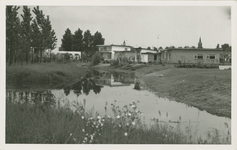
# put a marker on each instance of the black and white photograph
(129, 73)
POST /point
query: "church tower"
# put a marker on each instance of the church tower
(200, 43)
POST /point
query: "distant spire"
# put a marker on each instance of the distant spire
(200, 43)
(124, 43)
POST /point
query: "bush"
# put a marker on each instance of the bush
(114, 63)
(96, 58)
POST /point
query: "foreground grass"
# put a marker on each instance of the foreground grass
(206, 89)
(44, 73)
(40, 123)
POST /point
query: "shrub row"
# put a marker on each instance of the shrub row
(208, 66)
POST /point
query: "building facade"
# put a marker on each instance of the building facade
(112, 52)
(191, 55)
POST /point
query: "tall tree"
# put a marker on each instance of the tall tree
(218, 46)
(12, 32)
(97, 40)
(26, 31)
(67, 40)
(36, 38)
(77, 40)
(39, 22)
(88, 41)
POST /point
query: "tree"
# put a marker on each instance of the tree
(160, 47)
(217, 46)
(67, 40)
(149, 47)
(12, 32)
(97, 40)
(155, 48)
(225, 47)
(87, 40)
(77, 40)
(26, 31)
(36, 38)
(39, 23)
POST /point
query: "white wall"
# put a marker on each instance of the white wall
(118, 48)
(144, 58)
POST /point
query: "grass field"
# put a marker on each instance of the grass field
(39, 123)
(206, 89)
(44, 73)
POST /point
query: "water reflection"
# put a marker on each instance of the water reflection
(85, 85)
(114, 79)
(100, 88)
(38, 98)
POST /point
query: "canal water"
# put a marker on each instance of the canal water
(100, 89)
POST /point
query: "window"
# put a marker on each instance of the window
(211, 57)
(199, 56)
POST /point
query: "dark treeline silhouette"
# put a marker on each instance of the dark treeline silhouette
(28, 39)
(83, 42)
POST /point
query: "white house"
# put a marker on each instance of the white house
(108, 51)
(76, 55)
(148, 55)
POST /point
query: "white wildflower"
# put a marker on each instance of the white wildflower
(133, 123)
(118, 116)
(127, 124)
(109, 116)
(98, 117)
(125, 134)
(129, 114)
(83, 130)
(101, 124)
(82, 117)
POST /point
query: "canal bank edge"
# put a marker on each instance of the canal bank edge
(212, 95)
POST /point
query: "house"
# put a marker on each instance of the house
(113, 52)
(191, 55)
(148, 55)
(74, 55)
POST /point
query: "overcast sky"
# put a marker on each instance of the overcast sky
(146, 25)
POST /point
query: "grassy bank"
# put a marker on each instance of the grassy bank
(44, 73)
(206, 89)
(40, 123)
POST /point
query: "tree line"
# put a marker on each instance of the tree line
(84, 42)
(27, 37)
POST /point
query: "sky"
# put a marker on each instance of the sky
(143, 26)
